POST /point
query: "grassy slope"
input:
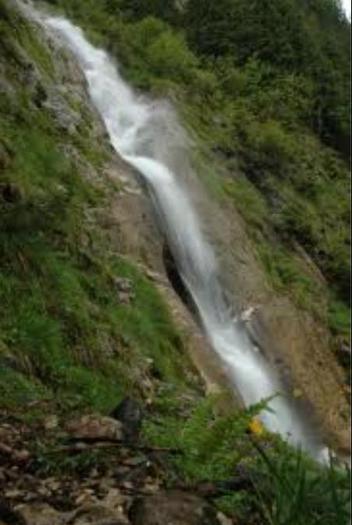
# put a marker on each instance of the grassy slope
(63, 332)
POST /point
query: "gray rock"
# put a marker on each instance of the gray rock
(97, 515)
(129, 412)
(124, 288)
(173, 507)
(95, 427)
(41, 514)
(66, 118)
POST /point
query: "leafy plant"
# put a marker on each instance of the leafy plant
(302, 493)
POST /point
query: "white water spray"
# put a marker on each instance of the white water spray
(137, 129)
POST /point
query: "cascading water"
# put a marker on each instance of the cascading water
(137, 128)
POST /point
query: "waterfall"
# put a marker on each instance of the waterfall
(142, 131)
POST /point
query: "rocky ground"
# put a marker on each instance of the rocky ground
(107, 475)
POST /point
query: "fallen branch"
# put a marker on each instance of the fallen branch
(86, 445)
(212, 490)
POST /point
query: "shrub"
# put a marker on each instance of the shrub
(272, 148)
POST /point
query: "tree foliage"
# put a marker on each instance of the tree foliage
(293, 36)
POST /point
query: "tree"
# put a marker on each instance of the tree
(309, 38)
(139, 9)
(269, 30)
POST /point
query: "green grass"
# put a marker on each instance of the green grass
(210, 445)
(339, 318)
(17, 389)
(297, 492)
(14, 25)
(249, 202)
(61, 322)
(286, 273)
(288, 488)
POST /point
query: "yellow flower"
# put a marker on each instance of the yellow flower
(256, 427)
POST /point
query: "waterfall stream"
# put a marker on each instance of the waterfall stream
(141, 132)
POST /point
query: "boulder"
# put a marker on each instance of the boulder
(173, 507)
(97, 515)
(129, 412)
(65, 117)
(95, 427)
(41, 514)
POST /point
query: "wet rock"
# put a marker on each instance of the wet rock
(95, 427)
(297, 340)
(130, 413)
(247, 314)
(173, 507)
(176, 279)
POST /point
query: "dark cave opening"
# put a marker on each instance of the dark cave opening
(176, 280)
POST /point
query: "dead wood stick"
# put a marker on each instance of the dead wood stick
(83, 445)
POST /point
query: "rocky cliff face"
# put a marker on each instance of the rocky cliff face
(292, 339)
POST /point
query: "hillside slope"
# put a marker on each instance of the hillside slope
(283, 234)
(88, 319)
